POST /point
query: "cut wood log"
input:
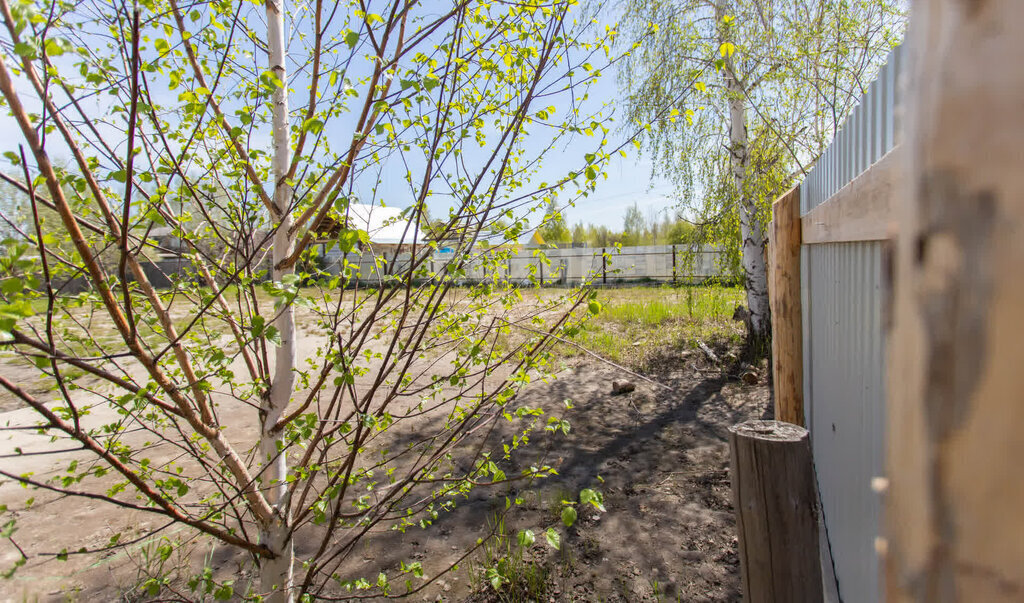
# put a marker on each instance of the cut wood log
(776, 512)
(622, 387)
(708, 352)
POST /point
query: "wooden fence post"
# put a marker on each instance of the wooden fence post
(604, 267)
(673, 264)
(955, 531)
(776, 512)
(784, 297)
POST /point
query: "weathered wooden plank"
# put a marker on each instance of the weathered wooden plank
(955, 531)
(784, 297)
(861, 210)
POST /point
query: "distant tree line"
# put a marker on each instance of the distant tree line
(657, 227)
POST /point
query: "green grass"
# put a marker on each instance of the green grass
(504, 572)
(636, 322)
(652, 307)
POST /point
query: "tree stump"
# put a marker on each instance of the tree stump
(776, 512)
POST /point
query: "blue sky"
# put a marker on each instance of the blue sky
(629, 181)
(629, 178)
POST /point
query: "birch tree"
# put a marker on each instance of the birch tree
(744, 77)
(219, 148)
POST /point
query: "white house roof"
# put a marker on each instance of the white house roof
(385, 225)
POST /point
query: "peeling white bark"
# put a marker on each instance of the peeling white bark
(754, 268)
(276, 574)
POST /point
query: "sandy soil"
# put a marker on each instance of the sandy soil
(658, 454)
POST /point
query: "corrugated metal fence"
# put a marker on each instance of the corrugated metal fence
(844, 368)
(867, 134)
(569, 266)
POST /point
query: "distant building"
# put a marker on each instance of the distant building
(387, 228)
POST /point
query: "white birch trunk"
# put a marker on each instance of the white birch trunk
(276, 573)
(754, 269)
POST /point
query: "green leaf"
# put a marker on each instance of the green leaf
(25, 50)
(568, 516)
(9, 528)
(12, 286)
(224, 592)
(313, 125)
(19, 309)
(62, 555)
(494, 577)
(526, 538)
(273, 335)
(553, 538)
(10, 573)
(592, 497)
(594, 307)
(270, 79)
(352, 38)
(155, 217)
(591, 173)
(56, 47)
(119, 175)
(258, 323)
(347, 240)
(726, 49)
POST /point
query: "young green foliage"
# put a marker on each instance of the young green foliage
(229, 347)
(736, 98)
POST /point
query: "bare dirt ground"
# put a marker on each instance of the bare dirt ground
(658, 455)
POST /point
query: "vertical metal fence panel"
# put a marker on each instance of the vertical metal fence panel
(854, 147)
(844, 369)
(805, 320)
(846, 383)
